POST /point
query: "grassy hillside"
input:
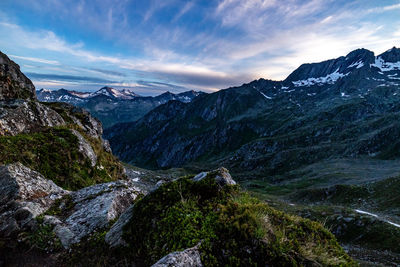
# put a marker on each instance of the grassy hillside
(54, 152)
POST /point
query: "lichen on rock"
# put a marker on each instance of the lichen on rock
(24, 194)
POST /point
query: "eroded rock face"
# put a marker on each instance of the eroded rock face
(85, 148)
(114, 236)
(188, 258)
(95, 207)
(24, 194)
(13, 83)
(221, 176)
(20, 116)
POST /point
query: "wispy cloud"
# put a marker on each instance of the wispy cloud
(382, 9)
(190, 44)
(108, 72)
(58, 77)
(34, 59)
(188, 6)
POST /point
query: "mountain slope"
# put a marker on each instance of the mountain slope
(347, 107)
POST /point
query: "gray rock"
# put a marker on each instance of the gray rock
(221, 176)
(20, 116)
(85, 148)
(51, 220)
(95, 207)
(114, 236)
(158, 184)
(24, 194)
(106, 146)
(186, 258)
(13, 83)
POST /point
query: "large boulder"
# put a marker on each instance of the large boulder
(24, 194)
(93, 209)
(13, 83)
(188, 258)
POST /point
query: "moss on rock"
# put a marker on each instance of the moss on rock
(54, 152)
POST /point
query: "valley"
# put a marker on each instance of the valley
(322, 148)
(186, 133)
(299, 148)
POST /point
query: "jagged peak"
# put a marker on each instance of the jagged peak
(392, 55)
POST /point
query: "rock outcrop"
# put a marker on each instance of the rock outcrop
(20, 116)
(13, 83)
(221, 176)
(85, 148)
(114, 236)
(24, 194)
(188, 258)
(93, 209)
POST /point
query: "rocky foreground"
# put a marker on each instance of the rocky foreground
(66, 200)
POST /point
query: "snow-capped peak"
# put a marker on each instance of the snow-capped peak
(43, 90)
(115, 93)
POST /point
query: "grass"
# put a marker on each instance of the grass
(54, 152)
(233, 228)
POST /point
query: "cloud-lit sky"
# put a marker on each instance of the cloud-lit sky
(153, 46)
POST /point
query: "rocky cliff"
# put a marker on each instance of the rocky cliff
(13, 83)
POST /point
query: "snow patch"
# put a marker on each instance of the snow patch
(358, 64)
(344, 94)
(328, 79)
(267, 97)
(385, 66)
(376, 216)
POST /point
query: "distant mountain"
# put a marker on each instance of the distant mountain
(114, 93)
(344, 107)
(111, 105)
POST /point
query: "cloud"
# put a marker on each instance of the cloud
(192, 44)
(68, 78)
(383, 8)
(108, 72)
(38, 60)
(188, 6)
(159, 85)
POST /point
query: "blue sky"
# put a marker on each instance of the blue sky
(152, 46)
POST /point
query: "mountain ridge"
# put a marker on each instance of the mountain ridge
(111, 105)
(352, 87)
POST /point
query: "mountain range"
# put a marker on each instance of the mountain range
(65, 200)
(344, 107)
(112, 105)
(323, 144)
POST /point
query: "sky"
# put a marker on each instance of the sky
(153, 46)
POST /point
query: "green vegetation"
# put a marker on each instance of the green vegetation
(352, 228)
(62, 207)
(54, 152)
(233, 228)
(43, 238)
